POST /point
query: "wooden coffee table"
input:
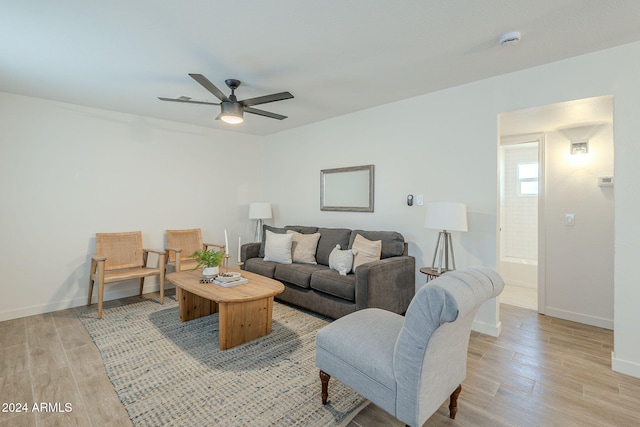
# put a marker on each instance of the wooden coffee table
(245, 310)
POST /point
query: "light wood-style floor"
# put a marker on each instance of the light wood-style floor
(541, 371)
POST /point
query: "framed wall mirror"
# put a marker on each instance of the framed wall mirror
(347, 189)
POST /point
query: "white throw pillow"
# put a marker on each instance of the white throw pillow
(341, 261)
(303, 247)
(277, 247)
(368, 251)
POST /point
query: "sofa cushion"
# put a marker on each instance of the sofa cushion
(303, 247)
(302, 229)
(297, 274)
(365, 251)
(264, 236)
(341, 261)
(392, 242)
(329, 238)
(261, 267)
(331, 282)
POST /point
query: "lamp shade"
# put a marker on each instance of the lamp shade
(260, 210)
(446, 216)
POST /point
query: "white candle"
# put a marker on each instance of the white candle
(226, 243)
(239, 244)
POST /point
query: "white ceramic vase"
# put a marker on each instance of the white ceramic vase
(210, 271)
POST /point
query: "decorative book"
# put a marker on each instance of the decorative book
(227, 284)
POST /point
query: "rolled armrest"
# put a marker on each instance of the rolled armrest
(388, 284)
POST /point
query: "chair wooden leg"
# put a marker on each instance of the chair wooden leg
(324, 378)
(100, 297)
(162, 273)
(91, 281)
(453, 402)
(100, 288)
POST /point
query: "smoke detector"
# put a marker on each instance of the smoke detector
(510, 38)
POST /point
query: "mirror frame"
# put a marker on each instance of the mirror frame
(324, 189)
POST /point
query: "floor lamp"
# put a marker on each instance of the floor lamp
(259, 211)
(446, 217)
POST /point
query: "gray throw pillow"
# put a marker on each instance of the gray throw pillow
(341, 261)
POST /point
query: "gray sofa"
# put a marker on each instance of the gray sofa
(388, 283)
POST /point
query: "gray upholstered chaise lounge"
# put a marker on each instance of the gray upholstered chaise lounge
(409, 366)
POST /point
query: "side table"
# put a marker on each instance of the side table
(432, 273)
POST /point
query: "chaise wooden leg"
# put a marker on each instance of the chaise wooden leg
(324, 378)
(453, 402)
(141, 285)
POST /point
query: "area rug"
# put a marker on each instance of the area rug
(171, 373)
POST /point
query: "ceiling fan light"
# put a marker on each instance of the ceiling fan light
(231, 113)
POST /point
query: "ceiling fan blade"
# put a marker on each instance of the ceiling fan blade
(264, 113)
(187, 100)
(267, 98)
(209, 86)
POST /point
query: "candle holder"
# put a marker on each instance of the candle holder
(240, 264)
(226, 263)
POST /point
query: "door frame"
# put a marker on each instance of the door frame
(538, 137)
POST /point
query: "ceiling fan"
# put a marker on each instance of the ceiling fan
(231, 109)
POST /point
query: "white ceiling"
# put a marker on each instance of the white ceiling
(334, 56)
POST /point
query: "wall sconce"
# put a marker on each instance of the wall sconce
(581, 147)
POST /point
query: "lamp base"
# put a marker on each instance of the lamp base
(443, 248)
(257, 236)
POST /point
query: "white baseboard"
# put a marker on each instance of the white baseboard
(79, 301)
(579, 317)
(624, 366)
(521, 284)
(487, 329)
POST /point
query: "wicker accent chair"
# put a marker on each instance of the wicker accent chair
(181, 244)
(120, 257)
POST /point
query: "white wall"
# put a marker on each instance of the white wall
(68, 172)
(55, 171)
(444, 145)
(579, 259)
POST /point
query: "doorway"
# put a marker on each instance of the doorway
(575, 206)
(520, 183)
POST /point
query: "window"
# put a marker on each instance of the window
(528, 179)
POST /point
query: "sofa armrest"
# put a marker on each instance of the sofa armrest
(249, 250)
(388, 284)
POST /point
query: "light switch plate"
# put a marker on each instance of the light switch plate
(569, 219)
(420, 200)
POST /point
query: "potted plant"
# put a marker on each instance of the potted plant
(210, 259)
